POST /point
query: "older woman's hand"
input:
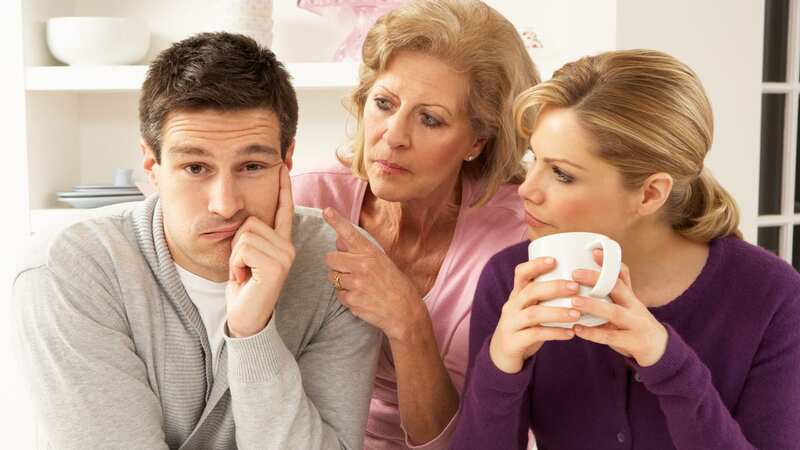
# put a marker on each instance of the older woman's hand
(631, 329)
(370, 284)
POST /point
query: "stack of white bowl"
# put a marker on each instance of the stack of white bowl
(250, 17)
(96, 195)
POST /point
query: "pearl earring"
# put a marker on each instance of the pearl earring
(470, 158)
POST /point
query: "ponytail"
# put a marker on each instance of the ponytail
(704, 210)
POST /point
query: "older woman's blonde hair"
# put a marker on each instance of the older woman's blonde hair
(648, 113)
(473, 39)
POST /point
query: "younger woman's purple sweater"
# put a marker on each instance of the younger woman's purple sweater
(729, 379)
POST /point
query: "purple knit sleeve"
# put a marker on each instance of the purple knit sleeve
(495, 405)
(768, 412)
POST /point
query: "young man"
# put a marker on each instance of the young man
(201, 317)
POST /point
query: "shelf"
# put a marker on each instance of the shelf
(130, 78)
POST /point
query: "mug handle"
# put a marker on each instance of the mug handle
(612, 260)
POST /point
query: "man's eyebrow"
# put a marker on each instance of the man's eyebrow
(255, 149)
(188, 150)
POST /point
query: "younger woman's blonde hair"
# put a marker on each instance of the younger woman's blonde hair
(648, 113)
(473, 39)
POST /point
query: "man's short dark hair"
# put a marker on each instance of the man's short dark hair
(222, 71)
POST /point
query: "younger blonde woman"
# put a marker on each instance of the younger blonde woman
(702, 347)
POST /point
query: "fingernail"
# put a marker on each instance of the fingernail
(570, 333)
(577, 301)
(549, 260)
(572, 286)
(327, 212)
(574, 314)
(598, 251)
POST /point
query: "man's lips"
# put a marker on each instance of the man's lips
(222, 233)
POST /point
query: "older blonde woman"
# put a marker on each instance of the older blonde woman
(432, 176)
(702, 345)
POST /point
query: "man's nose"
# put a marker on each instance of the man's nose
(225, 199)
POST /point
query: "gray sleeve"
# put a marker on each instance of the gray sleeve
(320, 401)
(88, 386)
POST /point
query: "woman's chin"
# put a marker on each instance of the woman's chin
(388, 190)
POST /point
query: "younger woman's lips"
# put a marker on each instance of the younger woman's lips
(532, 221)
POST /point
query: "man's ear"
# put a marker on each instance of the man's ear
(287, 159)
(149, 163)
(654, 193)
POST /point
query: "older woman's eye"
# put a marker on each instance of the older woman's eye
(562, 176)
(382, 103)
(430, 121)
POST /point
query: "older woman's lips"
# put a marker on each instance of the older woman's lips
(389, 167)
(533, 222)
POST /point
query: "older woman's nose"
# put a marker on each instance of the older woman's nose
(397, 133)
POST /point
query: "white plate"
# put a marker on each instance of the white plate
(99, 193)
(90, 187)
(95, 202)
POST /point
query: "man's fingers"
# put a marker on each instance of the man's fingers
(346, 231)
(284, 214)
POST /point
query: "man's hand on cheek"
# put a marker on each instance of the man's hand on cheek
(261, 257)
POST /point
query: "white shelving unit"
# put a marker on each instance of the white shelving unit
(82, 121)
(88, 79)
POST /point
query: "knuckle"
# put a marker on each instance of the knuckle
(617, 314)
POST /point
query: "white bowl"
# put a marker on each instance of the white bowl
(91, 41)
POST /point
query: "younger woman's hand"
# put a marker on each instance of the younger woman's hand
(519, 333)
(631, 329)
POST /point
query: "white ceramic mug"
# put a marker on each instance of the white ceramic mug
(574, 251)
(123, 177)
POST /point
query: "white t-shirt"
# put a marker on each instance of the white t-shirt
(209, 298)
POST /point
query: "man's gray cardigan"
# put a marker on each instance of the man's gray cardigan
(117, 356)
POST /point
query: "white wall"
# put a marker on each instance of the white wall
(16, 424)
(722, 42)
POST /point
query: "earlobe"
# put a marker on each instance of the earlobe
(655, 192)
(287, 159)
(149, 162)
(476, 149)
